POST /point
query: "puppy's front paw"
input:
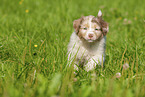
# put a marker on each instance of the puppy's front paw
(76, 69)
(90, 66)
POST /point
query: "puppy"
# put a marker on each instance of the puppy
(86, 48)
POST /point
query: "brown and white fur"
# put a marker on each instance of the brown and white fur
(87, 43)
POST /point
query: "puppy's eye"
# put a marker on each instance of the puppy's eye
(85, 28)
(97, 29)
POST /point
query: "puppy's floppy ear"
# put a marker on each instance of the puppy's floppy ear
(105, 30)
(105, 27)
(76, 24)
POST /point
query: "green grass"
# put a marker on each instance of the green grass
(28, 71)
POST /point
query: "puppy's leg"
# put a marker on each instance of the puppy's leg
(92, 62)
(76, 66)
(90, 65)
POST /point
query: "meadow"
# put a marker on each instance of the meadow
(34, 35)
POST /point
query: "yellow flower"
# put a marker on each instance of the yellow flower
(35, 45)
(20, 2)
(120, 18)
(26, 10)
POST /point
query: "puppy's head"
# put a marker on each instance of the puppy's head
(91, 28)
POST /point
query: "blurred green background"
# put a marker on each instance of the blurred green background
(33, 49)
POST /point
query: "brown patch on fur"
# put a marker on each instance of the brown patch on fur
(81, 35)
(76, 24)
(102, 23)
(86, 25)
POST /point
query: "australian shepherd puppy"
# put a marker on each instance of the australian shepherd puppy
(86, 48)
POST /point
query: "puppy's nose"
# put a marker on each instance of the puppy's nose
(90, 35)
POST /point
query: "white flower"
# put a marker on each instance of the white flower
(118, 75)
(125, 66)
